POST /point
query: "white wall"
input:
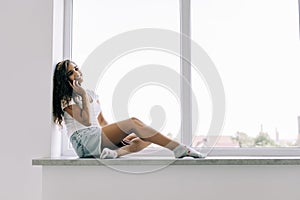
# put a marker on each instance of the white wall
(173, 183)
(26, 61)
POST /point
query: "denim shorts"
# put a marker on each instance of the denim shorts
(87, 142)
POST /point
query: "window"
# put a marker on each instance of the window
(255, 56)
(95, 22)
(255, 47)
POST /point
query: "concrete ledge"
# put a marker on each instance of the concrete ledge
(73, 161)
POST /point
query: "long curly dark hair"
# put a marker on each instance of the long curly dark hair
(62, 91)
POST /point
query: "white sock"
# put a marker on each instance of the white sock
(182, 151)
(108, 154)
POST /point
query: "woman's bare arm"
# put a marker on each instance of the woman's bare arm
(82, 115)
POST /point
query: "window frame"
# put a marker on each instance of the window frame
(185, 91)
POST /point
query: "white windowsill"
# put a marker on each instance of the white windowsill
(229, 160)
(162, 156)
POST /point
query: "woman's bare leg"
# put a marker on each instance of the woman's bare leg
(135, 145)
(116, 132)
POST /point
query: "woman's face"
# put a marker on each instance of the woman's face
(74, 73)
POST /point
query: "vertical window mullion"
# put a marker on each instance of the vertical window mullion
(299, 16)
(67, 54)
(185, 72)
(68, 20)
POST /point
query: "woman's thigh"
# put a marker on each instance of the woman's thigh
(113, 134)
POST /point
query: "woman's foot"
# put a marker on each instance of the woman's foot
(184, 151)
(108, 154)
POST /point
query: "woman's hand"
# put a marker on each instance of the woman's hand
(77, 88)
(81, 114)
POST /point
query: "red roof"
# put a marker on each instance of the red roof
(217, 141)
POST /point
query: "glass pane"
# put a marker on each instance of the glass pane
(254, 45)
(96, 21)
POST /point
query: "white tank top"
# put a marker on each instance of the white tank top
(73, 125)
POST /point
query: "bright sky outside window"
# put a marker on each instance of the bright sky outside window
(255, 47)
(96, 21)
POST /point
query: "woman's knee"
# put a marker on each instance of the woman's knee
(140, 129)
(138, 122)
(134, 119)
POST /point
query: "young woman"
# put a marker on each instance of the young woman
(90, 134)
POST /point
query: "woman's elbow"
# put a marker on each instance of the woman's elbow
(86, 122)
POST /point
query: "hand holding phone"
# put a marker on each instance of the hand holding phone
(77, 88)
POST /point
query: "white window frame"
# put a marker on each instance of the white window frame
(66, 149)
(185, 70)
